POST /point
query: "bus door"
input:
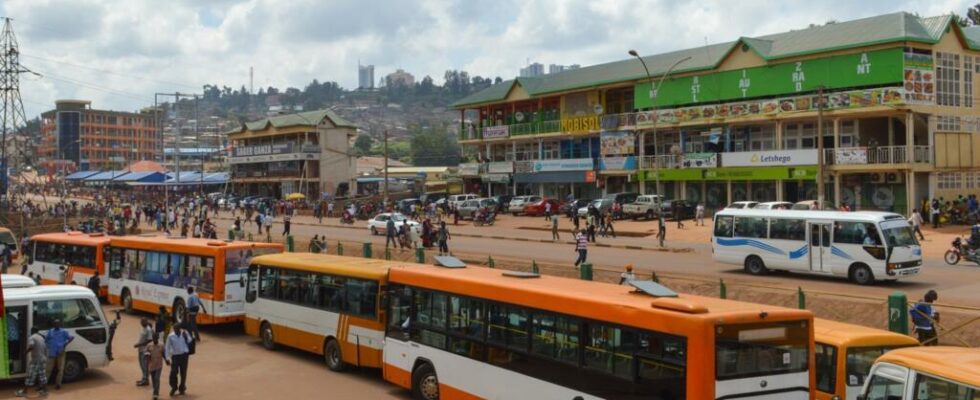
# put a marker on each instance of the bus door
(818, 235)
(17, 335)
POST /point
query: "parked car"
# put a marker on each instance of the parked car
(773, 205)
(687, 208)
(457, 200)
(469, 207)
(405, 205)
(516, 206)
(503, 201)
(430, 197)
(808, 205)
(573, 206)
(623, 197)
(742, 204)
(379, 224)
(537, 208)
(604, 205)
(645, 206)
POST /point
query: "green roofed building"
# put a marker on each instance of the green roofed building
(307, 152)
(738, 120)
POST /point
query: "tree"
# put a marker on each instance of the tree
(433, 145)
(362, 145)
(973, 15)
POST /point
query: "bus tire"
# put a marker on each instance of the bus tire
(862, 275)
(268, 338)
(127, 301)
(755, 266)
(179, 311)
(425, 383)
(333, 356)
(74, 367)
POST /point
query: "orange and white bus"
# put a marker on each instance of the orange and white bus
(68, 257)
(149, 271)
(471, 332)
(323, 304)
(927, 372)
(844, 354)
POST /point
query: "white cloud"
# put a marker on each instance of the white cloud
(134, 48)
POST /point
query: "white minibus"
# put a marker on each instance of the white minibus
(35, 308)
(861, 246)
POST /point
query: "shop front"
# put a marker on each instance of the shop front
(558, 184)
(717, 187)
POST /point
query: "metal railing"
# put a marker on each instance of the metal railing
(618, 121)
(525, 166)
(662, 161)
(878, 155)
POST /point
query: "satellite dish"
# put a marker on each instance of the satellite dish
(519, 116)
(597, 108)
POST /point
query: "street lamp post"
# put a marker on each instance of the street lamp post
(653, 95)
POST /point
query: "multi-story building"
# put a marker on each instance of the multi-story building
(76, 137)
(400, 77)
(307, 152)
(365, 77)
(741, 120)
(532, 70)
(556, 68)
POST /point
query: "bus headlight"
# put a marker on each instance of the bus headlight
(890, 268)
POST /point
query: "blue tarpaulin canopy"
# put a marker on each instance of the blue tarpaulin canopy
(142, 177)
(80, 175)
(105, 176)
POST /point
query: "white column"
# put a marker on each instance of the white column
(729, 189)
(641, 152)
(779, 135)
(909, 136)
(836, 133)
(837, 194)
(779, 190)
(913, 196)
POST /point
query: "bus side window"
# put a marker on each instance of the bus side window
(723, 226)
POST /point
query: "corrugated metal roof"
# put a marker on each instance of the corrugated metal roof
(895, 27)
(308, 118)
(147, 176)
(80, 175)
(972, 34)
(105, 176)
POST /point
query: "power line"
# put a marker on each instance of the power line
(113, 73)
(93, 86)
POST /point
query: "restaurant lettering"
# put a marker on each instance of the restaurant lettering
(580, 124)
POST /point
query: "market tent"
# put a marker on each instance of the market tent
(105, 176)
(80, 175)
(142, 177)
(216, 178)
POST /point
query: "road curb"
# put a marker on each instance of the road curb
(520, 239)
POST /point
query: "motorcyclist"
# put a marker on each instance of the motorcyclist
(974, 241)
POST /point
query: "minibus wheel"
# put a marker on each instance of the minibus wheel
(268, 339)
(74, 367)
(755, 266)
(862, 275)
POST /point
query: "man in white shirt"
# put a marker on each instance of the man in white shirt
(628, 276)
(176, 353)
(916, 221)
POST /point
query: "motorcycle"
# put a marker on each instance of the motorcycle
(958, 251)
(484, 219)
(347, 218)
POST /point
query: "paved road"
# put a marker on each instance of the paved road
(228, 365)
(956, 284)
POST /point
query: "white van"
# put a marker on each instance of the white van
(35, 308)
(457, 200)
(14, 281)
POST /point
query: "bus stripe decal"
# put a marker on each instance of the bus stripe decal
(839, 253)
(800, 252)
(746, 242)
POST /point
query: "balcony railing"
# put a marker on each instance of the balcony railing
(878, 155)
(524, 167)
(618, 121)
(661, 162)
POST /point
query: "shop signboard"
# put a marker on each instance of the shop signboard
(674, 175)
(700, 160)
(851, 156)
(878, 67)
(495, 178)
(919, 79)
(627, 163)
(769, 158)
(263, 150)
(617, 143)
(573, 164)
(471, 169)
(495, 132)
(891, 96)
(760, 174)
(500, 167)
(583, 124)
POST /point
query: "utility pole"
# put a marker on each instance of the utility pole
(11, 106)
(386, 170)
(820, 155)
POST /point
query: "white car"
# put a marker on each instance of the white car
(773, 205)
(742, 204)
(517, 203)
(457, 200)
(379, 224)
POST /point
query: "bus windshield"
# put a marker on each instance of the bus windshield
(900, 236)
(749, 350)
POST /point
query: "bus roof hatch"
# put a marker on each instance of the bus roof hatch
(449, 262)
(653, 288)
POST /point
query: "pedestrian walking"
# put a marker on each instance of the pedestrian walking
(609, 225)
(154, 363)
(575, 221)
(285, 224)
(916, 221)
(554, 227)
(581, 247)
(37, 351)
(934, 211)
(590, 221)
(547, 210)
(661, 230)
(57, 340)
(267, 221)
(627, 276)
(679, 215)
(443, 239)
(94, 283)
(390, 233)
(258, 223)
(925, 318)
(163, 321)
(699, 214)
(315, 244)
(176, 354)
(145, 337)
(194, 306)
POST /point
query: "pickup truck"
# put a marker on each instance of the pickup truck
(645, 206)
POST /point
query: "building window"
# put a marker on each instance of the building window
(950, 180)
(948, 123)
(762, 138)
(967, 81)
(549, 150)
(948, 79)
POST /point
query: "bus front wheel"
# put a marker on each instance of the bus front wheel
(74, 367)
(862, 275)
(333, 356)
(755, 266)
(127, 301)
(425, 383)
(268, 340)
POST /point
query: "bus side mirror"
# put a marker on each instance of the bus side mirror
(855, 380)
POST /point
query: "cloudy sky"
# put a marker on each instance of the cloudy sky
(119, 53)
